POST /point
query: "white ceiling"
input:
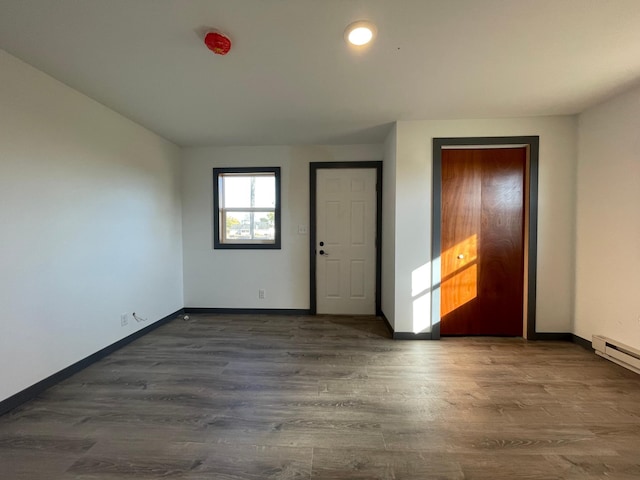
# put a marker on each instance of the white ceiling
(291, 79)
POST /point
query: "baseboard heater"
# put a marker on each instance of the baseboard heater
(617, 352)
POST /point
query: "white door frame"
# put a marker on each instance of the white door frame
(313, 169)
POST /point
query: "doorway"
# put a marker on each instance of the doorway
(481, 289)
(484, 236)
(345, 222)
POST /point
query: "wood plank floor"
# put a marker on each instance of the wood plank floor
(282, 397)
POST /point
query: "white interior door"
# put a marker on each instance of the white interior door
(345, 241)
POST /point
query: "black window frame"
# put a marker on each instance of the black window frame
(217, 218)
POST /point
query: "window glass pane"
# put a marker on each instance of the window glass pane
(238, 225)
(250, 226)
(237, 191)
(265, 191)
(264, 226)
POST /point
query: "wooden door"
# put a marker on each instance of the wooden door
(482, 260)
(346, 235)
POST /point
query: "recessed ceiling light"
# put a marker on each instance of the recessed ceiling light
(360, 33)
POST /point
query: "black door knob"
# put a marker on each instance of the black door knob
(321, 252)
(322, 244)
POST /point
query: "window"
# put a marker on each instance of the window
(246, 205)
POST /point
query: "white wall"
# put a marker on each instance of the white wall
(556, 215)
(608, 221)
(389, 227)
(232, 278)
(90, 217)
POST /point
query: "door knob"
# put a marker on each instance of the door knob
(460, 257)
(322, 244)
(322, 252)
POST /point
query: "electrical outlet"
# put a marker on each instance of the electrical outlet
(261, 294)
(124, 320)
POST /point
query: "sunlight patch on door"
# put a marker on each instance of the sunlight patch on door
(459, 256)
(459, 284)
(461, 287)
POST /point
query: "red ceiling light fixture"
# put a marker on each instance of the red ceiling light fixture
(217, 42)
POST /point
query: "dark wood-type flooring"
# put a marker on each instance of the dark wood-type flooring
(282, 397)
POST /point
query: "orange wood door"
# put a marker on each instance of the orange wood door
(482, 259)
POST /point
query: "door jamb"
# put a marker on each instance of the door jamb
(531, 229)
(313, 170)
